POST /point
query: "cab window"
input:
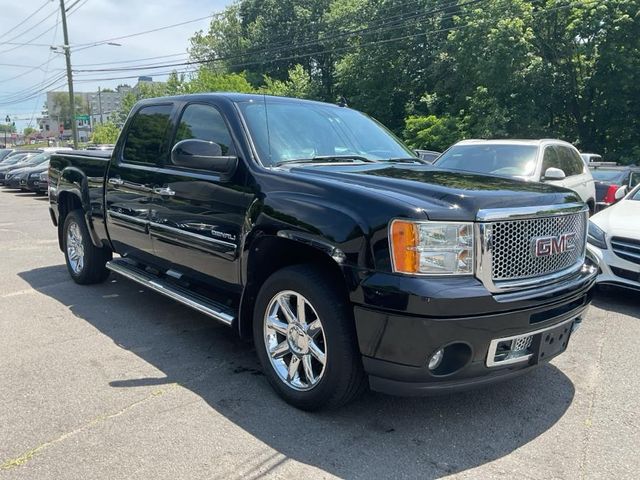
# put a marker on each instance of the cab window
(550, 159)
(204, 122)
(146, 135)
(570, 160)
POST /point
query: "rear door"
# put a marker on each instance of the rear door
(197, 217)
(131, 177)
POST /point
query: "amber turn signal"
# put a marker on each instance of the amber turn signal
(404, 240)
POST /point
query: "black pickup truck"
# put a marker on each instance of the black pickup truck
(311, 229)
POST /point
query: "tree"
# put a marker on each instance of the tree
(431, 132)
(106, 133)
(299, 85)
(28, 131)
(62, 108)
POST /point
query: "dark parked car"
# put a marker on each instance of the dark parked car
(4, 153)
(10, 174)
(313, 230)
(38, 179)
(609, 179)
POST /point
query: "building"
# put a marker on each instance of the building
(99, 107)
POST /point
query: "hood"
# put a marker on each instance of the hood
(441, 194)
(620, 219)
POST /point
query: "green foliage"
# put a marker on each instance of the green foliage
(300, 84)
(207, 80)
(28, 131)
(105, 133)
(431, 132)
(436, 70)
(7, 128)
(62, 108)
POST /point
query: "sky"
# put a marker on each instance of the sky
(27, 69)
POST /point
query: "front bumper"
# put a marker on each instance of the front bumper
(37, 185)
(615, 270)
(13, 182)
(396, 346)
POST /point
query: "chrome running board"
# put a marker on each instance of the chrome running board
(186, 297)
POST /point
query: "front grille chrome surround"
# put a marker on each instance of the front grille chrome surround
(504, 255)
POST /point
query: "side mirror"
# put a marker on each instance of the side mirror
(553, 173)
(203, 155)
(620, 192)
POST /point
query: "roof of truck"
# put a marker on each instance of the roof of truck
(234, 97)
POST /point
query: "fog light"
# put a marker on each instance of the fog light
(436, 359)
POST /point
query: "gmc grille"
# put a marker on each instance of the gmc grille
(512, 246)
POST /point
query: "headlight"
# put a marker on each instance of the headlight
(34, 175)
(432, 248)
(596, 236)
(44, 176)
(9, 175)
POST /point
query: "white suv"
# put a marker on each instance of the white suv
(549, 161)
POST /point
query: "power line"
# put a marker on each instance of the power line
(30, 43)
(83, 46)
(29, 17)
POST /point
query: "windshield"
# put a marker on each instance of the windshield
(635, 195)
(37, 159)
(507, 160)
(289, 131)
(613, 176)
(14, 159)
(4, 153)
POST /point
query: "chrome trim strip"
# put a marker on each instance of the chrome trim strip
(579, 281)
(167, 291)
(493, 346)
(128, 218)
(179, 231)
(519, 213)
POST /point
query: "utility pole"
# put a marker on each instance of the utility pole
(67, 54)
(100, 105)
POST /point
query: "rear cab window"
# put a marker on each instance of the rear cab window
(146, 135)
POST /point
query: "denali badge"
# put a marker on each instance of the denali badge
(546, 246)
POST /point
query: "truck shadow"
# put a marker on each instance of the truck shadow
(377, 436)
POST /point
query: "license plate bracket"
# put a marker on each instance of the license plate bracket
(552, 342)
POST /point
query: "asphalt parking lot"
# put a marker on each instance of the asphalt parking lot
(113, 381)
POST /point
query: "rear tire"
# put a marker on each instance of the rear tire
(322, 330)
(85, 262)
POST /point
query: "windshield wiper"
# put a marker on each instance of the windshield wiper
(405, 160)
(328, 159)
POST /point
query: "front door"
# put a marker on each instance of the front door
(197, 217)
(131, 178)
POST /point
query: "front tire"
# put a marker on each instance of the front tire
(85, 262)
(304, 334)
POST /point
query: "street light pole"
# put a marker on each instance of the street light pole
(8, 122)
(67, 54)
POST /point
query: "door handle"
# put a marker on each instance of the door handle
(116, 181)
(164, 191)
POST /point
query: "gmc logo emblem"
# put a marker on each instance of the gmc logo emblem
(547, 246)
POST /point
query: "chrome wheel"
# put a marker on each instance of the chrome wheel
(75, 249)
(295, 341)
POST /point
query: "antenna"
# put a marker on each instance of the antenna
(266, 117)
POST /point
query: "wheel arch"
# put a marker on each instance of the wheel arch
(270, 253)
(69, 201)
